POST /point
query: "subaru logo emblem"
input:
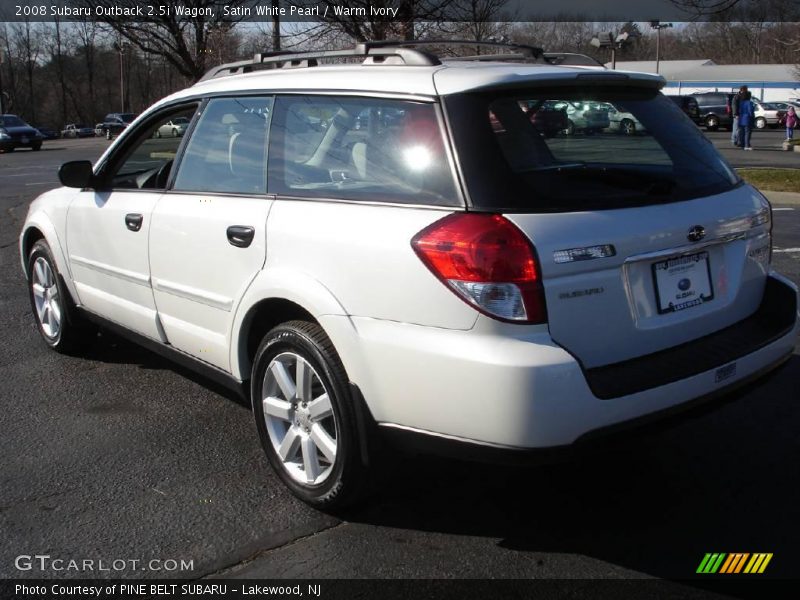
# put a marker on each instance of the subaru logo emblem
(696, 233)
(684, 284)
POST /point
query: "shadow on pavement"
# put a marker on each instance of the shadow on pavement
(722, 479)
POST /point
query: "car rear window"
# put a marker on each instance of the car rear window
(608, 148)
(367, 149)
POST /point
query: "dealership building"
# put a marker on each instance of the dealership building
(766, 82)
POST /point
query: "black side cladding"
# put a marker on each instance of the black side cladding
(774, 318)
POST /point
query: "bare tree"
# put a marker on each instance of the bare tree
(181, 39)
(27, 39)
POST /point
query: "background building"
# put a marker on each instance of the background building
(767, 82)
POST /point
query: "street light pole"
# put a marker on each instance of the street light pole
(120, 47)
(658, 26)
(1, 81)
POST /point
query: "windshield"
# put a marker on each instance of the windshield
(12, 121)
(575, 148)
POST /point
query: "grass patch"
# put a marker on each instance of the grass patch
(775, 180)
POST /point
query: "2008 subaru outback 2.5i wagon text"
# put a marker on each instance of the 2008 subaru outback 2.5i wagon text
(393, 246)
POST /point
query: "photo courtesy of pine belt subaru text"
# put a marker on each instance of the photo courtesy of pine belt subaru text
(382, 247)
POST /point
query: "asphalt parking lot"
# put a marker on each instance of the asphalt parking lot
(120, 454)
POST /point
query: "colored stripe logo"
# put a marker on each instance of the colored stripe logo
(737, 562)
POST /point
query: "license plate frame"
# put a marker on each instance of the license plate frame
(682, 282)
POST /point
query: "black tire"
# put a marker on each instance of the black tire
(627, 127)
(73, 334)
(712, 122)
(174, 133)
(345, 476)
(761, 123)
(37, 147)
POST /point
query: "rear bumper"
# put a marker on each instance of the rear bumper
(507, 393)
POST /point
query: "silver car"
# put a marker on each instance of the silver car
(174, 128)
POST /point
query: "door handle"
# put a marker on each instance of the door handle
(133, 221)
(240, 236)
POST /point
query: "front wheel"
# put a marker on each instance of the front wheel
(305, 416)
(56, 320)
(712, 123)
(761, 123)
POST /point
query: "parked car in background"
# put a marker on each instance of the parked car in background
(715, 110)
(98, 129)
(548, 118)
(586, 117)
(622, 121)
(77, 130)
(16, 133)
(767, 114)
(688, 104)
(115, 123)
(49, 133)
(173, 128)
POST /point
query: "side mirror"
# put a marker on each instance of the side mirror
(76, 174)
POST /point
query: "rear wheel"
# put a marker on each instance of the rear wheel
(712, 122)
(627, 127)
(305, 416)
(37, 147)
(59, 325)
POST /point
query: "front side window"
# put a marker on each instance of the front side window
(227, 151)
(368, 149)
(581, 148)
(146, 163)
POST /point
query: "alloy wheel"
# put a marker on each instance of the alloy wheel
(46, 299)
(299, 417)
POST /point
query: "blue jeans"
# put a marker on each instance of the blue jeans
(789, 133)
(744, 135)
(735, 131)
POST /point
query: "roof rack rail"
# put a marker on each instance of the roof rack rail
(552, 58)
(376, 52)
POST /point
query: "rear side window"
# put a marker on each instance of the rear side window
(368, 149)
(227, 150)
(581, 148)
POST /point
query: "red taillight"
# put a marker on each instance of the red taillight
(488, 262)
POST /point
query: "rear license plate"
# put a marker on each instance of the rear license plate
(682, 282)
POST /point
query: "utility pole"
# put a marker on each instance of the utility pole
(658, 26)
(1, 82)
(276, 26)
(120, 47)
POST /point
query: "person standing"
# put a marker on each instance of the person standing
(735, 101)
(791, 122)
(747, 117)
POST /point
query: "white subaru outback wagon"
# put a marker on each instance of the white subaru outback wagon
(394, 246)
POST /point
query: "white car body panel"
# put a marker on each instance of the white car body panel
(110, 264)
(198, 276)
(622, 305)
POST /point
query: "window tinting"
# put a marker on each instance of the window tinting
(227, 150)
(581, 148)
(361, 149)
(148, 161)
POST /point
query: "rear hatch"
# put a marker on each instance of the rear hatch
(645, 241)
